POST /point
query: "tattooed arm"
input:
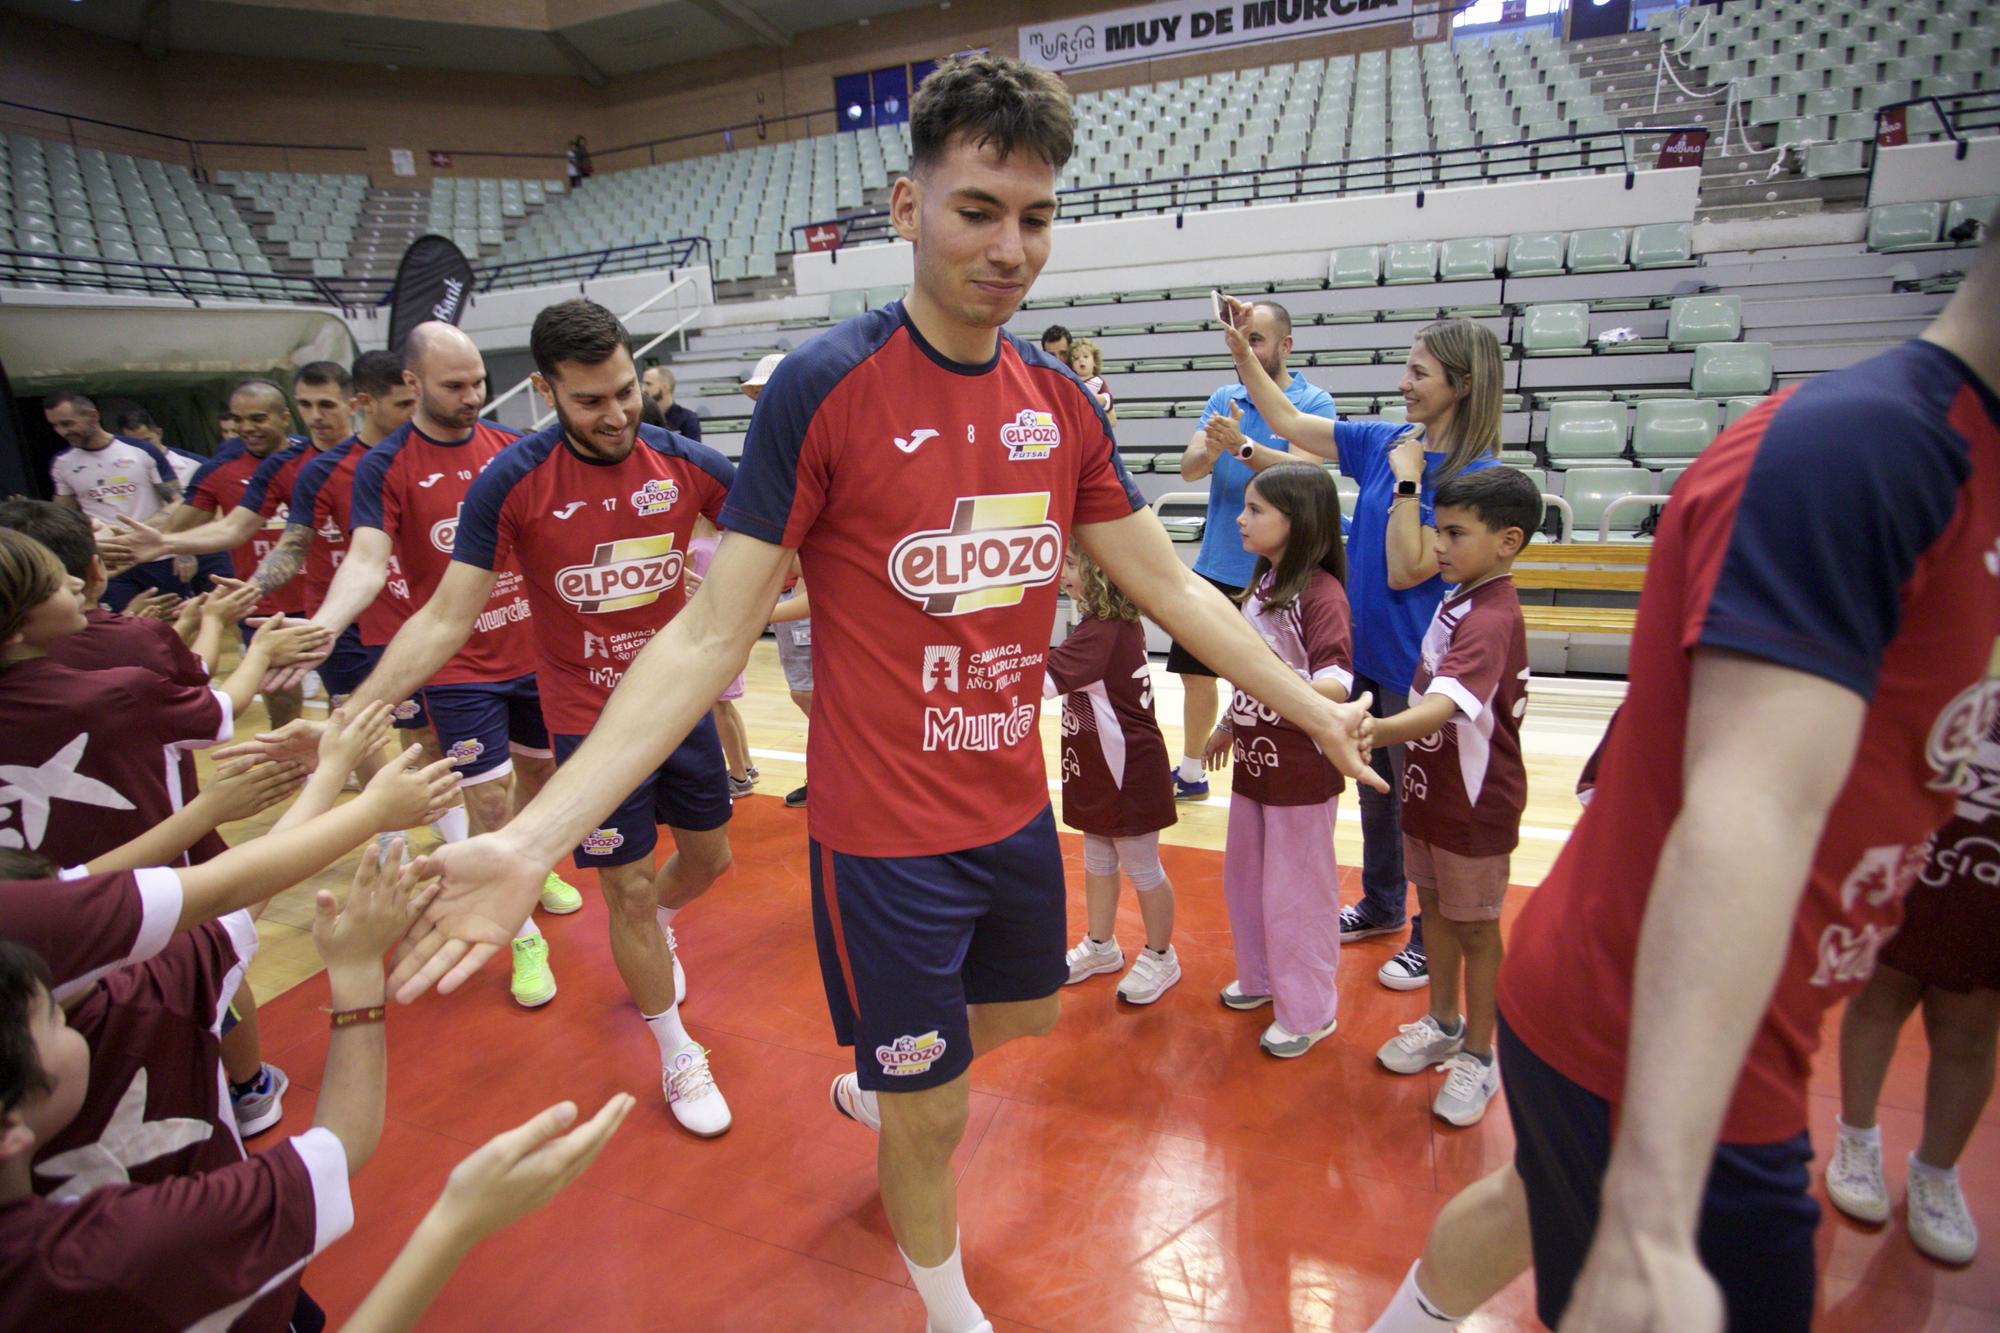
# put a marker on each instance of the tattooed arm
(284, 561)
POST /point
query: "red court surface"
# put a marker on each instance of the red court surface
(1140, 1169)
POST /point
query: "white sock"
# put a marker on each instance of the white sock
(1409, 1312)
(667, 1031)
(665, 916)
(946, 1299)
(1919, 1167)
(451, 825)
(1871, 1135)
(1190, 768)
(528, 931)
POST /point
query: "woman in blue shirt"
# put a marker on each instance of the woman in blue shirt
(1451, 393)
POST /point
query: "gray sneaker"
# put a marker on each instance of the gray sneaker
(258, 1111)
(1280, 1041)
(1150, 976)
(1235, 997)
(741, 787)
(1469, 1084)
(1419, 1045)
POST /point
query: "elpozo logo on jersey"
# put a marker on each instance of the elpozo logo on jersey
(657, 496)
(444, 532)
(1030, 435)
(996, 548)
(622, 574)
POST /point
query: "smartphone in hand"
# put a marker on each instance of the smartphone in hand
(1222, 311)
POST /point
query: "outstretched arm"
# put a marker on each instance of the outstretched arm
(282, 563)
(1768, 751)
(429, 638)
(1308, 432)
(139, 542)
(1136, 553)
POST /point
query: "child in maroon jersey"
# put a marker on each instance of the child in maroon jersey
(1117, 790)
(1464, 785)
(1278, 870)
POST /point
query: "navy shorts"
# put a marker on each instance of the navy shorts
(482, 725)
(1757, 1220)
(690, 791)
(907, 942)
(1180, 661)
(352, 662)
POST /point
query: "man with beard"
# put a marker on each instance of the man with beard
(108, 478)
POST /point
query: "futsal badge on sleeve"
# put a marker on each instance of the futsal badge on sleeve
(1031, 435)
(657, 496)
(906, 1056)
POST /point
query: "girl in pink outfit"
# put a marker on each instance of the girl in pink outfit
(1279, 877)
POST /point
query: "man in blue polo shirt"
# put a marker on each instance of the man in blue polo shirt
(1222, 560)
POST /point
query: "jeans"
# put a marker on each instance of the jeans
(1385, 892)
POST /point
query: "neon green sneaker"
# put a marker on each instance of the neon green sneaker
(559, 897)
(533, 985)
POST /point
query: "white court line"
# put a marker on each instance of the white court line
(1348, 814)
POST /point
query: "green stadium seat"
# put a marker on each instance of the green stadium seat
(1411, 261)
(1349, 490)
(1704, 319)
(1591, 490)
(1976, 209)
(1355, 266)
(1846, 158)
(1582, 433)
(1561, 327)
(1672, 430)
(846, 305)
(1904, 226)
(1598, 250)
(881, 296)
(1534, 253)
(1466, 260)
(1723, 370)
(1732, 408)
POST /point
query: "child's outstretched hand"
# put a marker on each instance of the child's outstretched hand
(243, 787)
(352, 734)
(188, 619)
(153, 604)
(231, 600)
(290, 641)
(1215, 754)
(381, 905)
(403, 797)
(514, 1173)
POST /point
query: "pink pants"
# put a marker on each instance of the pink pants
(1283, 890)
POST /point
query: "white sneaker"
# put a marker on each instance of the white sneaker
(1418, 1046)
(1089, 958)
(1854, 1178)
(856, 1102)
(1150, 976)
(680, 977)
(1468, 1085)
(1940, 1223)
(691, 1092)
(1280, 1041)
(1235, 997)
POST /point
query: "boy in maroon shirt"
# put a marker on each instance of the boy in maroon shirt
(1464, 785)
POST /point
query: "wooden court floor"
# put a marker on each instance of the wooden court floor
(1139, 1169)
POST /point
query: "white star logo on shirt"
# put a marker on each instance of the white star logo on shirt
(129, 1140)
(56, 778)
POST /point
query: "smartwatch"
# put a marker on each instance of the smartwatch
(1246, 450)
(1406, 490)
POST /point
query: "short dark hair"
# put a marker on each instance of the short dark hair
(1282, 316)
(136, 418)
(650, 413)
(64, 531)
(67, 396)
(575, 330)
(1500, 497)
(324, 372)
(16, 864)
(377, 373)
(992, 100)
(24, 982)
(1053, 332)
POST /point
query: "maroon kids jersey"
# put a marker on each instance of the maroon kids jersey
(1464, 787)
(1276, 763)
(1115, 779)
(411, 487)
(602, 546)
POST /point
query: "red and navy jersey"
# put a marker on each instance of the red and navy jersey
(241, 479)
(323, 496)
(1464, 786)
(1275, 762)
(1849, 529)
(602, 546)
(1116, 778)
(412, 487)
(929, 503)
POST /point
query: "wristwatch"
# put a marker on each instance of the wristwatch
(1246, 450)
(1406, 490)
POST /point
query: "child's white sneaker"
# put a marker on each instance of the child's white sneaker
(1940, 1223)
(1089, 958)
(1469, 1084)
(1418, 1046)
(1150, 976)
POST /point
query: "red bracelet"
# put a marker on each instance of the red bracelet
(342, 1018)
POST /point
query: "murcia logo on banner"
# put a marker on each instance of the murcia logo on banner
(621, 575)
(1179, 27)
(996, 548)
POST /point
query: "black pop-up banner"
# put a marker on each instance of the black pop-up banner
(434, 281)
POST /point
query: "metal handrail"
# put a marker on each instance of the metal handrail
(679, 252)
(1526, 157)
(687, 317)
(1604, 522)
(1946, 120)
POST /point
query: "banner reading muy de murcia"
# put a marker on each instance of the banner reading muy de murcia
(1181, 27)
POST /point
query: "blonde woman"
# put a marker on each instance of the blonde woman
(1451, 391)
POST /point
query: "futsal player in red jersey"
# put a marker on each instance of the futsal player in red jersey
(1816, 659)
(927, 469)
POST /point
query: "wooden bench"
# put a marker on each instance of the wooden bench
(1580, 619)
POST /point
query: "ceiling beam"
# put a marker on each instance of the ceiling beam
(746, 21)
(155, 22)
(586, 68)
